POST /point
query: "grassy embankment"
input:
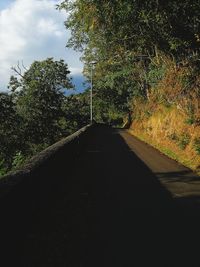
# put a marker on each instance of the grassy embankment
(169, 119)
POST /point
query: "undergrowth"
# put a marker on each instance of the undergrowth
(169, 117)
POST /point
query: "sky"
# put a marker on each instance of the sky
(34, 30)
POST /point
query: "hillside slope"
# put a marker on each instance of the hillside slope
(168, 118)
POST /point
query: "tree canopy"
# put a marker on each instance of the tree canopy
(172, 26)
(39, 97)
(36, 112)
(124, 39)
(114, 33)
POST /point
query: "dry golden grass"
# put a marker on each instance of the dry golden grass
(170, 118)
(161, 131)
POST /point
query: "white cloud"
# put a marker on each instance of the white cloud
(76, 71)
(33, 30)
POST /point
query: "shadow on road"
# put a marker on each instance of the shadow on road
(187, 200)
(114, 212)
(180, 176)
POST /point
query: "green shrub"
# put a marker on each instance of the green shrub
(147, 113)
(190, 120)
(184, 141)
(196, 145)
(155, 74)
(3, 169)
(173, 137)
(18, 160)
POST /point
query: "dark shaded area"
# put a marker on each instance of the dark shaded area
(189, 202)
(28, 193)
(105, 208)
(180, 176)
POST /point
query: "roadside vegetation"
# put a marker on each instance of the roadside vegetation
(169, 118)
(147, 71)
(36, 112)
(146, 76)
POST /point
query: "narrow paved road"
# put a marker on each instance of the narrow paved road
(183, 184)
(120, 208)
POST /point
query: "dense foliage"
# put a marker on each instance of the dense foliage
(137, 47)
(172, 26)
(36, 112)
(124, 37)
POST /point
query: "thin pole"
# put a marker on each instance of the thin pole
(91, 93)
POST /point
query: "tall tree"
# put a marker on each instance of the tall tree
(10, 131)
(39, 96)
(172, 26)
(114, 33)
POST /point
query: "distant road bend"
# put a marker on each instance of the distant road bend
(126, 205)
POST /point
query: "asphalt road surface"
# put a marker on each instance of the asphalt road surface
(126, 205)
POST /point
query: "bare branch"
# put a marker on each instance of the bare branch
(18, 69)
(18, 66)
(24, 66)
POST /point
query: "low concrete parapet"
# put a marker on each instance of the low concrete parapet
(24, 193)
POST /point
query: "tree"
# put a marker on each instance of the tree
(114, 32)
(172, 26)
(10, 131)
(103, 30)
(39, 97)
(77, 110)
